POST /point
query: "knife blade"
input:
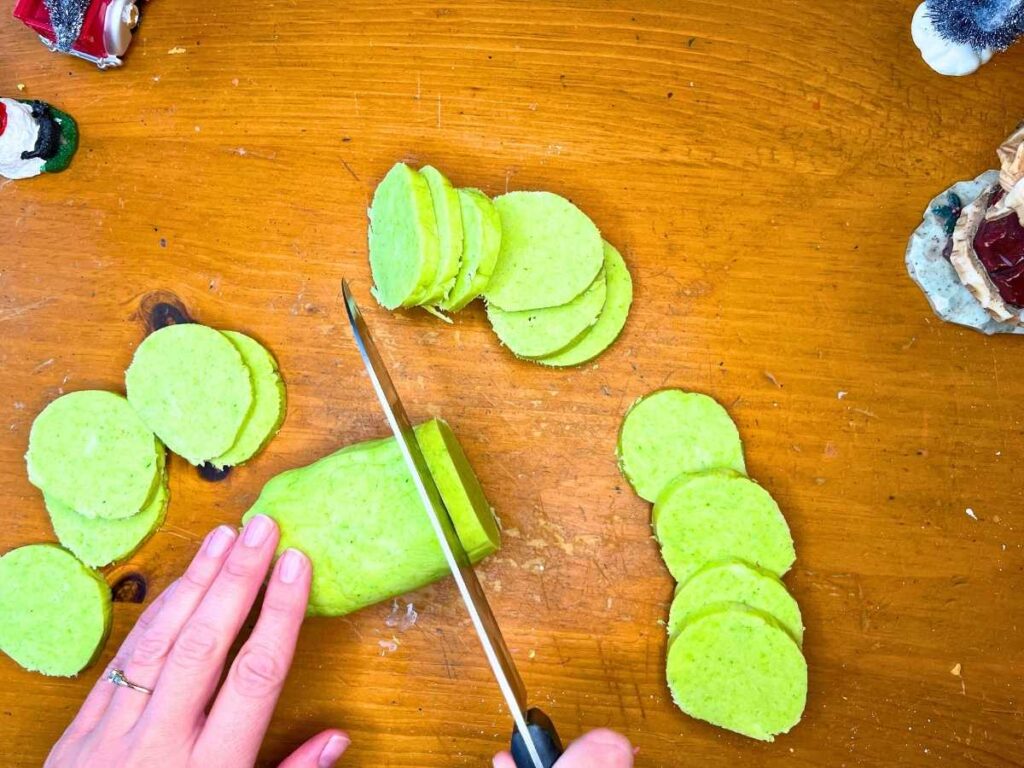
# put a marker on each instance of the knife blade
(535, 743)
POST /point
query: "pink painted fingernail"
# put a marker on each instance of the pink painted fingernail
(257, 530)
(220, 541)
(291, 565)
(333, 749)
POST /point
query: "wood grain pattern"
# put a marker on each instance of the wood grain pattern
(760, 165)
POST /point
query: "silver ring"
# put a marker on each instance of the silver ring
(116, 676)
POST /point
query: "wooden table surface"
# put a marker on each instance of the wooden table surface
(760, 165)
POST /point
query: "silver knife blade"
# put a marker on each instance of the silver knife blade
(498, 656)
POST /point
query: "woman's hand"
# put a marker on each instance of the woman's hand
(597, 749)
(178, 649)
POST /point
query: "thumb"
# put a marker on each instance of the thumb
(598, 749)
(321, 751)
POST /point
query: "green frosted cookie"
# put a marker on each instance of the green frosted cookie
(481, 230)
(609, 323)
(98, 542)
(359, 518)
(737, 668)
(448, 214)
(535, 333)
(734, 581)
(92, 451)
(719, 515)
(191, 387)
(268, 407)
(670, 431)
(550, 252)
(56, 612)
(404, 245)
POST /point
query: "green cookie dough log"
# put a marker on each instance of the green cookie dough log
(56, 612)
(735, 581)
(404, 245)
(718, 515)
(670, 431)
(91, 450)
(448, 214)
(481, 242)
(268, 407)
(190, 386)
(535, 333)
(550, 252)
(609, 323)
(358, 517)
(98, 542)
(737, 668)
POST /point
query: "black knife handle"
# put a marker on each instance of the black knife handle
(545, 737)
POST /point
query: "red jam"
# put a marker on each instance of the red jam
(1000, 248)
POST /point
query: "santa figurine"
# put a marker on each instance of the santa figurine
(34, 138)
(956, 37)
(968, 253)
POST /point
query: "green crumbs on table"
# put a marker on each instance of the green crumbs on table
(56, 612)
(481, 241)
(98, 542)
(717, 515)
(609, 323)
(191, 387)
(448, 216)
(734, 581)
(91, 451)
(404, 244)
(358, 517)
(550, 252)
(671, 431)
(268, 407)
(538, 332)
(737, 668)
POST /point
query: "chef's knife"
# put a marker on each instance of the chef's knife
(535, 743)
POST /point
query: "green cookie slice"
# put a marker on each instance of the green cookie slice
(737, 668)
(91, 450)
(357, 515)
(448, 214)
(550, 252)
(735, 581)
(670, 431)
(609, 323)
(459, 487)
(535, 333)
(98, 542)
(718, 515)
(481, 242)
(190, 386)
(268, 407)
(56, 612)
(404, 246)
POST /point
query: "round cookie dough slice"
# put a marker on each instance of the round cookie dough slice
(534, 333)
(550, 252)
(404, 245)
(98, 542)
(448, 215)
(190, 385)
(734, 581)
(609, 323)
(718, 515)
(671, 431)
(91, 450)
(56, 612)
(737, 668)
(481, 241)
(268, 407)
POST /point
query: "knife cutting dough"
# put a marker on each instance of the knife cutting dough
(527, 385)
